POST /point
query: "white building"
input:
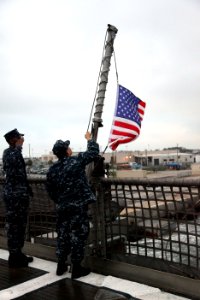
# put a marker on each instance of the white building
(48, 157)
(151, 158)
(160, 159)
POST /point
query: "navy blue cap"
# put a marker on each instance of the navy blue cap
(13, 134)
(60, 147)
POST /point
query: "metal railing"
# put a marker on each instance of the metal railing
(151, 223)
(41, 226)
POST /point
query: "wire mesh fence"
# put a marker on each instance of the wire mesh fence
(157, 220)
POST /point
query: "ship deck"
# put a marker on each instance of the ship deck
(39, 281)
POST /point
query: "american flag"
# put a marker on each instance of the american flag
(127, 120)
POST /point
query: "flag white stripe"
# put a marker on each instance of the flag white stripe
(114, 136)
(141, 116)
(141, 107)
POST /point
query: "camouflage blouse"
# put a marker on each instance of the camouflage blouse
(67, 183)
(16, 183)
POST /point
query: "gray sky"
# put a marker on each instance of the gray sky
(50, 55)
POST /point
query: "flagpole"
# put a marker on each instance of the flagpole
(105, 68)
(101, 89)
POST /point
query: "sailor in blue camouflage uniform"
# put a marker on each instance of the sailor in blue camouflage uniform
(68, 187)
(16, 197)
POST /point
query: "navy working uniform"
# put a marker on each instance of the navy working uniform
(16, 197)
(68, 187)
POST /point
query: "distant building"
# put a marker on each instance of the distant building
(45, 158)
(197, 158)
(146, 158)
(119, 157)
(161, 159)
(48, 157)
(150, 158)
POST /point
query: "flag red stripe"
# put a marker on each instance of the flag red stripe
(124, 140)
(121, 133)
(142, 103)
(140, 111)
(118, 142)
(126, 125)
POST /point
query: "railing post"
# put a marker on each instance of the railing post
(98, 213)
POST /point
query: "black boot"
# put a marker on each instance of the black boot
(16, 261)
(62, 267)
(29, 259)
(79, 271)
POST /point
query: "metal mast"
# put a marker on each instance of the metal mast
(103, 80)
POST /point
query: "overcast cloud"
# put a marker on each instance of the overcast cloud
(50, 55)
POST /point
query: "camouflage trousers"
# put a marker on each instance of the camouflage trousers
(73, 231)
(16, 221)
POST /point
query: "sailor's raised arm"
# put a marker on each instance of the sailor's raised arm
(92, 150)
